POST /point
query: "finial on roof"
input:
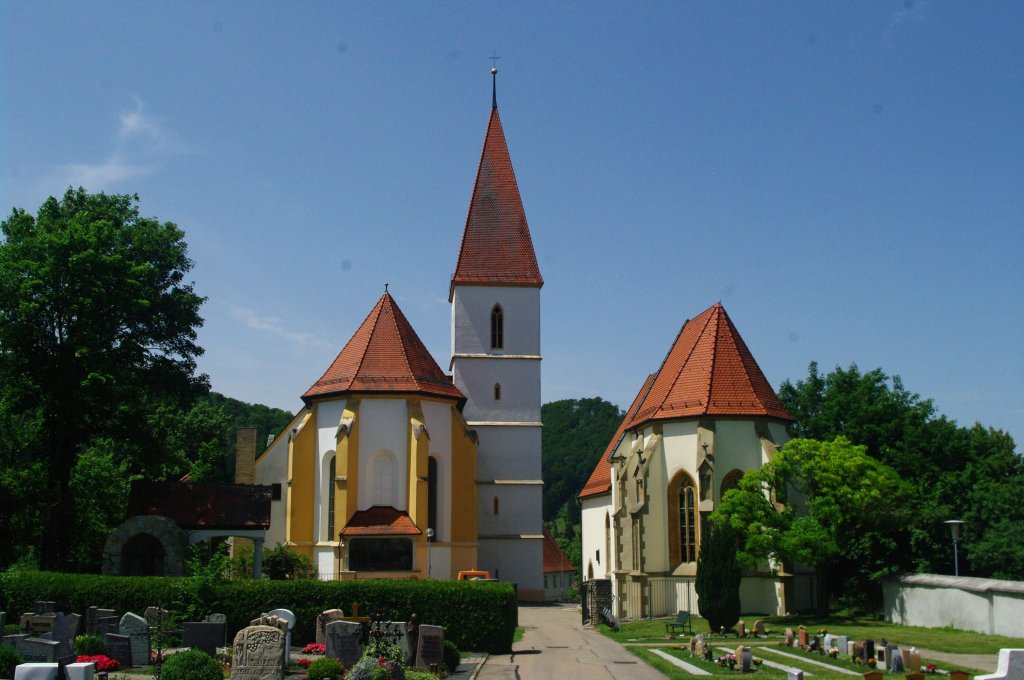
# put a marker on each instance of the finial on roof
(494, 80)
(385, 287)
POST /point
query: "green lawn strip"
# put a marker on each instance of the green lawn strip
(676, 673)
(796, 655)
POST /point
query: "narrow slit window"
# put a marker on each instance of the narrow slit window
(497, 327)
(497, 391)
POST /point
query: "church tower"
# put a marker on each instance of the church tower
(495, 298)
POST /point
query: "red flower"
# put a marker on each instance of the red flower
(102, 661)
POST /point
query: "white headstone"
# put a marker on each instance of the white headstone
(80, 671)
(1010, 667)
(794, 674)
(258, 654)
(137, 628)
(288, 616)
(35, 671)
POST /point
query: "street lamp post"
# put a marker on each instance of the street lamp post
(954, 529)
(430, 538)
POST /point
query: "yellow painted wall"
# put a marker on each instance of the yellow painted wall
(463, 486)
(301, 480)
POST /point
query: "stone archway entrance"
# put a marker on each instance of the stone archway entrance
(146, 545)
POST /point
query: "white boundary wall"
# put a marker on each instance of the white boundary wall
(979, 604)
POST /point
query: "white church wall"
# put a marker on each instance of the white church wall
(737, 446)
(384, 426)
(328, 416)
(439, 428)
(272, 468)
(471, 319)
(595, 552)
(508, 452)
(519, 381)
(513, 560)
(517, 510)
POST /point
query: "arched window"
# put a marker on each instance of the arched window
(497, 327)
(332, 473)
(682, 519)
(495, 505)
(607, 544)
(497, 391)
(730, 481)
(382, 479)
(432, 481)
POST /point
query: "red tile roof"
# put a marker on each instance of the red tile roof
(202, 505)
(385, 355)
(554, 559)
(709, 371)
(380, 520)
(600, 481)
(496, 246)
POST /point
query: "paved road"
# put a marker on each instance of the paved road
(556, 645)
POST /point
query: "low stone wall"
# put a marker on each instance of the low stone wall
(933, 601)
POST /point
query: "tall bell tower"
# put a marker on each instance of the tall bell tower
(495, 298)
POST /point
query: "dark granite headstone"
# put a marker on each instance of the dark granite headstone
(869, 649)
(13, 640)
(46, 607)
(343, 640)
(203, 635)
(119, 647)
(217, 617)
(430, 646)
(747, 660)
(37, 650)
(92, 617)
(107, 624)
(324, 618)
(894, 659)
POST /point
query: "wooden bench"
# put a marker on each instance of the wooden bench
(682, 623)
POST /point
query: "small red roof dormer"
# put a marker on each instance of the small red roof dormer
(496, 246)
(385, 355)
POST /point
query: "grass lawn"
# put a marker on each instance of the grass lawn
(640, 638)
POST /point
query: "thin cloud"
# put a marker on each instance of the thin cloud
(273, 326)
(911, 9)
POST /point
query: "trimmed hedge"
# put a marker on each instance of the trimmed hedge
(476, 616)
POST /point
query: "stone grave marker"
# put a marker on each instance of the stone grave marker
(747, 660)
(258, 654)
(912, 659)
(217, 618)
(38, 650)
(204, 635)
(288, 616)
(74, 624)
(37, 624)
(119, 647)
(14, 640)
(915, 675)
(322, 619)
(802, 639)
(794, 674)
(959, 675)
(156, 616)
(36, 671)
(759, 629)
(107, 624)
(430, 646)
(343, 641)
(80, 671)
(830, 641)
(400, 630)
(741, 629)
(46, 607)
(61, 634)
(1010, 666)
(92, 617)
(843, 644)
(894, 659)
(136, 628)
(789, 637)
(869, 649)
(873, 675)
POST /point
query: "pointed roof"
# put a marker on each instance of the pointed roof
(380, 520)
(555, 560)
(709, 371)
(496, 246)
(385, 355)
(600, 481)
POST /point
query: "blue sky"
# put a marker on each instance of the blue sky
(847, 178)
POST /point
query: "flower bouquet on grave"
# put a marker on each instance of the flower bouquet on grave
(872, 662)
(757, 660)
(930, 668)
(833, 653)
(314, 648)
(102, 662)
(727, 661)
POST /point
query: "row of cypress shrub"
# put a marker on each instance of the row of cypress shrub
(475, 616)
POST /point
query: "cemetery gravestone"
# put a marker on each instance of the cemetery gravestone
(789, 637)
(92, 618)
(959, 675)
(258, 654)
(37, 625)
(37, 650)
(873, 675)
(759, 629)
(1010, 667)
(912, 659)
(915, 675)
(343, 641)
(217, 618)
(400, 631)
(894, 660)
(830, 641)
(843, 644)
(15, 640)
(288, 616)
(746, 660)
(46, 607)
(802, 640)
(80, 671)
(322, 619)
(869, 649)
(430, 646)
(137, 629)
(204, 635)
(108, 624)
(119, 647)
(741, 629)
(793, 674)
(36, 671)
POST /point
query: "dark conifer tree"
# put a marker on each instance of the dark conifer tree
(718, 577)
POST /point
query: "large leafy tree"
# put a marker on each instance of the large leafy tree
(97, 324)
(822, 504)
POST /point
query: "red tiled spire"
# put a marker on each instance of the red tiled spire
(496, 246)
(709, 371)
(555, 560)
(600, 481)
(385, 355)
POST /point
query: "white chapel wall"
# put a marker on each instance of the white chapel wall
(593, 512)
(439, 428)
(990, 606)
(384, 426)
(471, 319)
(272, 468)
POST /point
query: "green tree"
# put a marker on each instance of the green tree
(96, 320)
(718, 577)
(99, 485)
(575, 433)
(821, 504)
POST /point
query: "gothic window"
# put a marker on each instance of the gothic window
(497, 328)
(497, 391)
(432, 481)
(682, 519)
(332, 472)
(731, 481)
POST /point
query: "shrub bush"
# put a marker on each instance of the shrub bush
(476, 616)
(8, 660)
(192, 664)
(90, 645)
(369, 668)
(452, 657)
(325, 669)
